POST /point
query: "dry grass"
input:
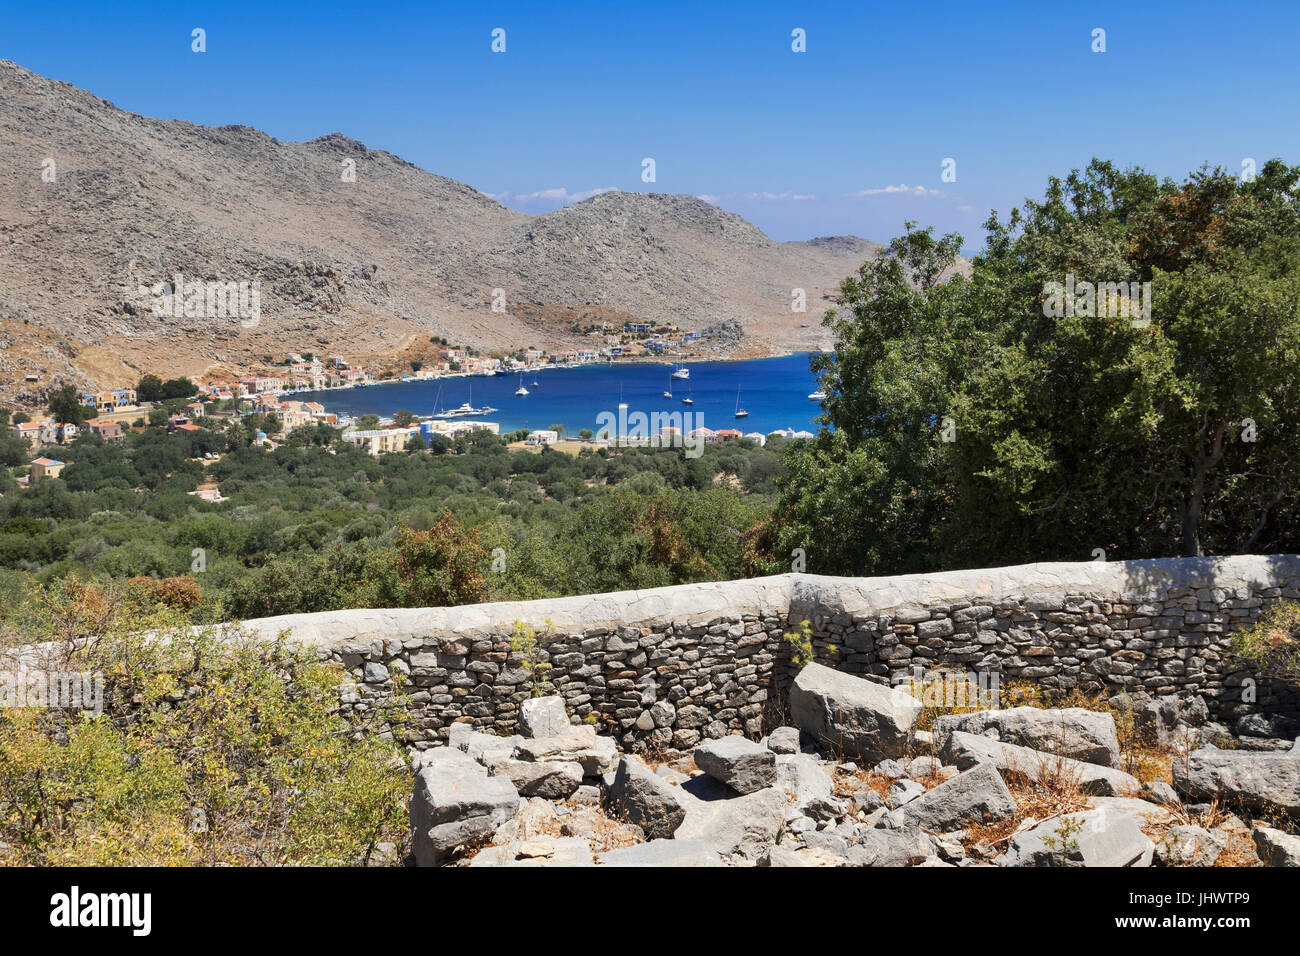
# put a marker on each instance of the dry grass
(1240, 851)
(1042, 792)
(867, 780)
(583, 820)
(1141, 756)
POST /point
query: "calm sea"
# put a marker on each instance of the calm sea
(774, 391)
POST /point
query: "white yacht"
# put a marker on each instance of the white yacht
(818, 396)
(521, 391)
(682, 372)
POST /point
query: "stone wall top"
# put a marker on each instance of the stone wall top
(1048, 581)
(799, 594)
(684, 602)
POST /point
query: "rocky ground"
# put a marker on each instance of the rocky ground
(854, 782)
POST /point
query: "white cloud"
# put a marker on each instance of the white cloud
(795, 197)
(900, 189)
(559, 194)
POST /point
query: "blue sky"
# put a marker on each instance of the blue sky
(846, 138)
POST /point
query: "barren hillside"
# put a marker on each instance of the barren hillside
(98, 205)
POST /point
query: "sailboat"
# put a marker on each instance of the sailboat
(682, 372)
(669, 392)
(521, 390)
(740, 412)
(688, 400)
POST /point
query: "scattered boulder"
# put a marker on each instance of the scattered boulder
(966, 750)
(1267, 725)
(864, 720)
(977, 796)
(576, 744)
(1086, 735)
(1157, 791)
(455, 803)
(784, 740)
(903, 847)
(487, 749)
(891, 769)
(663, 853)
(559, 851)
(552, 779)
(801, 776)
(1187, 845)
(543, 716)
(1264, 783)
(903, 791)
(748, 825)
(785, 856)
(741, 764)
(1145, 811)
(1276, 848)
(918, 768)
(1103, 837)
(646, 800)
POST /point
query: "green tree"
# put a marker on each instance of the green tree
(65, 406)
(979, 422)
(149, 388)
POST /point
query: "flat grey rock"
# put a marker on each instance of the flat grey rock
(1093, 838)
(1276, 848)
(663, 853)
(552, 779)
(455, 803)
(977, 796)
(737, 762)
(966, 750)
(646, 800)
(748, 825)
(1073, 732)
(903, 791)
(578, 745)
(784, 740)
(1263, 783)
(543, 716)
(861, 719)
(891, 848)
(539, 851)
(802, 777)
(1187, 845)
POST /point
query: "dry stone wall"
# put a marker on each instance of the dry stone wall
(665, 668)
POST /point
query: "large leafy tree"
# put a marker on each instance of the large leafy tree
(970, 425)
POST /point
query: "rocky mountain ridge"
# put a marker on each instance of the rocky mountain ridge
(354, 250)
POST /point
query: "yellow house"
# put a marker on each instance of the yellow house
(46, 468)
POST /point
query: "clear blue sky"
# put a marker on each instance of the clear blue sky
(808, 144)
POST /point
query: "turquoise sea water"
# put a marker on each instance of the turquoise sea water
(774, 391)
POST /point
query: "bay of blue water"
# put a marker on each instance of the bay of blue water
(774, 391)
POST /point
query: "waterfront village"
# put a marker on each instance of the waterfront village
(268, 398)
